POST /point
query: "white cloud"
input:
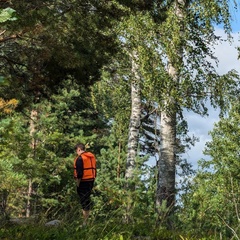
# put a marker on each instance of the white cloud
(199, 127)
(227, 55)
(227, 52)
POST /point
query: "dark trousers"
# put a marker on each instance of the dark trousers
(84, 191)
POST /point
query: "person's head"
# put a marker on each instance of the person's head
(80, 148)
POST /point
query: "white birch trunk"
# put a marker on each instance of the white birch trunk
(28, 207)
(167, 161)
(33, 146)
(135, 117)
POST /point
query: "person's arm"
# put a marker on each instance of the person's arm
(79, 168)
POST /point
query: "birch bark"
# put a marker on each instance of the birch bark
(135, 117)
(167, 161)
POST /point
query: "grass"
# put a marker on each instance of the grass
(61, 232)
(73, 231)
(103, 228)
(96, 232)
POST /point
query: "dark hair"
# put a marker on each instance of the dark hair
(81, 146)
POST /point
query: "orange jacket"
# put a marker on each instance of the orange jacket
(89, 166)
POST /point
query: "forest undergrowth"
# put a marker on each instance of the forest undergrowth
(98, 228)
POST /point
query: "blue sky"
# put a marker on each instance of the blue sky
(235, 16)
(228, 60)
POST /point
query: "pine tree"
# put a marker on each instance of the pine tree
(212, 204)
(52, 40)
(67, 118)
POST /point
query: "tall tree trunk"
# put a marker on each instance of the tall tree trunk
(135, 117)
(133, 134)
(33, 120)
(167, 161)
(29, 194)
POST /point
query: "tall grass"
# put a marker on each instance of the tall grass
(109, 226)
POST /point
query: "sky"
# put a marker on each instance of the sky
(200, 126)
(227, 55)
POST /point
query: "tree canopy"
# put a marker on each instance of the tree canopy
(117, 76)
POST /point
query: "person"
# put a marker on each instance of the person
(84, 174)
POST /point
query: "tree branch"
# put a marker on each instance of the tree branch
(233, 231)
(2, 32)
(5, 39)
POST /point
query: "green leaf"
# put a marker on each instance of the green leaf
(1, 79)
(7, 14)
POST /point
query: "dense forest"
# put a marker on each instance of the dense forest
(116, 75)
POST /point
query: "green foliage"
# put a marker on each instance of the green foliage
(67, 119)
(187, 45)
(53, 40)
(111, 193)
(64, 121)
(14, 150)
(51, 55)
(212, 204)
(108, 229)
(7, 15)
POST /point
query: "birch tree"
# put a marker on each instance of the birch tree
(193, 80)
(140, 44)
(147, 66)
(134, 125)
(167, 161)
